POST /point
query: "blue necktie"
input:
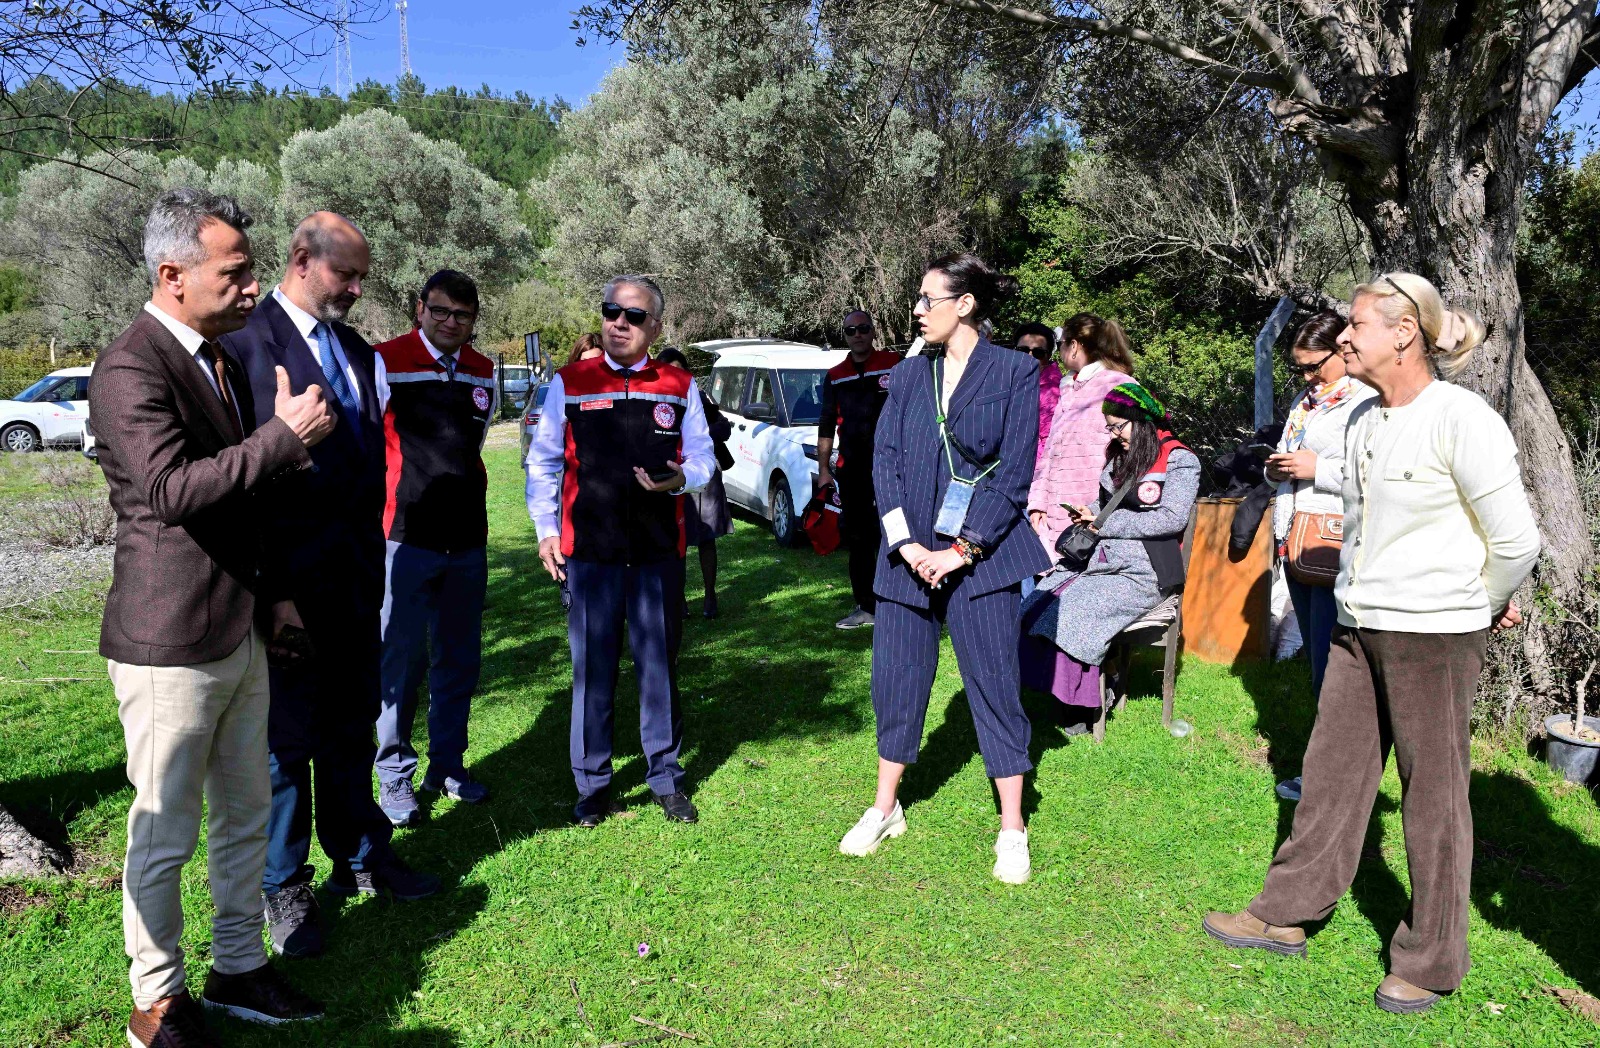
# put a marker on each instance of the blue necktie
(337, 384)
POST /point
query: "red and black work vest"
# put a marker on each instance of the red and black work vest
(852, 401)
(433, 434)
(616, 420)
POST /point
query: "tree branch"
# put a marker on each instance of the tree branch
(1213, 67)
(1276, 52)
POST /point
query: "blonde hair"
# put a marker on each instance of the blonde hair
(1449, 335)
(1103, 340)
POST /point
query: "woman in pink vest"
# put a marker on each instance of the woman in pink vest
(1096, 358)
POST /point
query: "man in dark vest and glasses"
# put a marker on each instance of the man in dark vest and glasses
(621, 440)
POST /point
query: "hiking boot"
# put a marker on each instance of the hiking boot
(872, 829)
(677, 807)
(172, 1022)
(259, 996)
(1011, 864)
(294, 922)
(1244, 931)
(1396, 995)
(458, 786)
(388, 877)
(399, 802)
(855, 620)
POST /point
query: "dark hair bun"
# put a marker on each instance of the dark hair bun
(967, 274)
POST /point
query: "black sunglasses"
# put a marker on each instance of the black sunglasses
(1312, 369)
(635, 315)
(852, 329)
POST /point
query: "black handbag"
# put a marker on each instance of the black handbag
(1076, 544)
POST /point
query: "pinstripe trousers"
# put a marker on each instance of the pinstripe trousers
(984, 630)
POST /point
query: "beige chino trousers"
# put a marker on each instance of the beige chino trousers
(194, 732)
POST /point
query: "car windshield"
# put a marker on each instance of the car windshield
(38, 389)
(802, 391)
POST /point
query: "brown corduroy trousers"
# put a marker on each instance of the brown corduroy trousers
(1411, 692)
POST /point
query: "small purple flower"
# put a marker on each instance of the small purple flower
(644, 950)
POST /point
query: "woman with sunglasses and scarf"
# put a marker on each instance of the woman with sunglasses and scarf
(1438, 535)
(1150, 480)
(1309, 471)
(954, 453)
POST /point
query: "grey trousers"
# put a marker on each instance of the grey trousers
(1412, 693)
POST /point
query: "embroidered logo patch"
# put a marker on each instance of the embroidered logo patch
(883, 381)
(595, 405)
(1149, 493)
(665, 417)
(480, 397)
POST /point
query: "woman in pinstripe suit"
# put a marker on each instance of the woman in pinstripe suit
(955, 455)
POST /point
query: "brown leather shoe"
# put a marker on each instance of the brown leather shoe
(172, 1022)
(1396, 995)
(1244, 931)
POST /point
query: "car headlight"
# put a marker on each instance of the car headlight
(810, 450)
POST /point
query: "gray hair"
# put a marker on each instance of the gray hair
(643, 283)
(172, 231)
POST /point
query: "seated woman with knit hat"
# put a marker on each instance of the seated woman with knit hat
(1070, 621)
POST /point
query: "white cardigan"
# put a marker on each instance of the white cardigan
(1324, 436)
(1438, 532)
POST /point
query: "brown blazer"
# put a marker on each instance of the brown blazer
(188, 548)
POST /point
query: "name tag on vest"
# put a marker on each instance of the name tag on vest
(596, 405)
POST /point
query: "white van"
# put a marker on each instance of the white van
(772, 393)
(51, 411)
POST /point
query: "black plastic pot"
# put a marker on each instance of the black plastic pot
(1577, 761)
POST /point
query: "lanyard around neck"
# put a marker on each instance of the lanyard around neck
(944, 429)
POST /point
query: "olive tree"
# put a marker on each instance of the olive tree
(421, 204)
(82, 234)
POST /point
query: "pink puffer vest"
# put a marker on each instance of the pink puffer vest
(1074, 455)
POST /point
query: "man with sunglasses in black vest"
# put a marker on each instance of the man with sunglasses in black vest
(622, 439)
(853, 395)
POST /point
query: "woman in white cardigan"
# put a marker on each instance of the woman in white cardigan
(1309, 472)
(1438, 535)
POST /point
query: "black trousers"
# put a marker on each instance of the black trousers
(860, 529)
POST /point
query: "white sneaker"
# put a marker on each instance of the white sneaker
(1011, 863)
(865, 836)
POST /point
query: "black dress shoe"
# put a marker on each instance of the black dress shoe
(709, 610)
(294, 922)
(591, 811)
(677, 807)
(388, 877)
(260, 996)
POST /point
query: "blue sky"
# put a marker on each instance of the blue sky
(507, 44)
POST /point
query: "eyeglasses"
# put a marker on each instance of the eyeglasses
(925, 302)
(635, 315)
(1308, 370)
(857, 329)
(1116, 428)
(443, 313)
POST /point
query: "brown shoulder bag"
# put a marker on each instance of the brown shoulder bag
(1314, 543)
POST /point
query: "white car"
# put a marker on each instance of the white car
(51, 411)
(772, 393)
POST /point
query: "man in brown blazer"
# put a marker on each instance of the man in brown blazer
(186, 659)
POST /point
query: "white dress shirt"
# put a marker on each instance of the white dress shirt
(306, 324)
(194, 342)
(547, 453)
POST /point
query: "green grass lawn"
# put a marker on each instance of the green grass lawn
(760, 932)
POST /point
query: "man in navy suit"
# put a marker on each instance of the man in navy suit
(326, 647)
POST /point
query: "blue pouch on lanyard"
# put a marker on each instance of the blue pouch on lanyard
(953, 510)
(958, 496)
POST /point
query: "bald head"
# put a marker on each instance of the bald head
(328, 260)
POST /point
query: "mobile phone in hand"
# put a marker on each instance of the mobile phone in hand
(660, 473)
(1261, 451)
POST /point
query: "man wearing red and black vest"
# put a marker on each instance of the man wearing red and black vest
(853, 395)
(621, 440)
(441, 400)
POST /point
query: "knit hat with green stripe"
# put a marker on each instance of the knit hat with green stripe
(1132, 401)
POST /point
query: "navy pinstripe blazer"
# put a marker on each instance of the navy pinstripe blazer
(994, 410)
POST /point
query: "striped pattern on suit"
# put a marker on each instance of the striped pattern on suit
(994, 410)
